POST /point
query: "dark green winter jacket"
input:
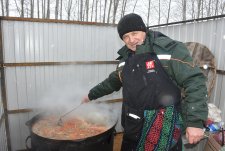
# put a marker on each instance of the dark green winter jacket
(179, 66)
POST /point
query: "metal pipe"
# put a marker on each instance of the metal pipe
(188, 21)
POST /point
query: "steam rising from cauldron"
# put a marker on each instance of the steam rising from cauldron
(62, 99)
(100, 113)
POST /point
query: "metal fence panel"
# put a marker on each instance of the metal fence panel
(35, 41)
(24, 41)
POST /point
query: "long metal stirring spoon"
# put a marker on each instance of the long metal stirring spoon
(60, 122)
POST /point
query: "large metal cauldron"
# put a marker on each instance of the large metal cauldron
(101, 142)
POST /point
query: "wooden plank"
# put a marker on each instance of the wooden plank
(56, 63)
(220, 72)
(19, 111)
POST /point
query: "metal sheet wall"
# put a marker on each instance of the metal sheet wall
(59, 42)
(210, 33)
(35, 41)
(26, 86)
(53, 42)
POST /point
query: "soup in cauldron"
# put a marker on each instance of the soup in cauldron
(70, 129)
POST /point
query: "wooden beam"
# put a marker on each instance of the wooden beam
(220, 72)
(19, 111)
(26, 110)
(56, 63)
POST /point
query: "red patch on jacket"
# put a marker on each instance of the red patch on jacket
(150, 64)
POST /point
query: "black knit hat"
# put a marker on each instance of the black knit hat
(130, 22)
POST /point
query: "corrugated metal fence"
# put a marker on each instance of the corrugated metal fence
(45, 57)
(51, 60)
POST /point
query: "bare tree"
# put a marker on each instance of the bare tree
(43, 8)
(159, 13)
(184, 4)
(17, 7)
(168, 13)
(96, 10)
(110, 5)
(48, 9)
(222, 7)
(81, 10)
(124, 4)
(100, 11)
(22, 8)
(87, 9)
(135, 5)
(26, 9)
(202, 10)
(104, 11)
(69, 6)
(199, 8)
(74, 10)
(193, 9)
(7, 7)
(38, 9)
(61, 9)
(92, 9)
(149, 8)
(209, 8)
(216, 8)
(32, 8)
(107, 11)
(56, 9)
(2, 5)
(115, 6)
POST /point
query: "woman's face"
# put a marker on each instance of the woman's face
(134, 38)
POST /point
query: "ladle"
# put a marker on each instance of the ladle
(60, 122)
